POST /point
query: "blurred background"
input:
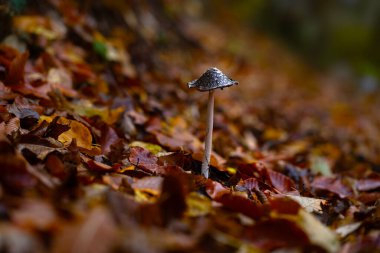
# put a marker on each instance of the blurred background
(342, 36)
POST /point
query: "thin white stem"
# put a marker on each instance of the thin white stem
(208, 141)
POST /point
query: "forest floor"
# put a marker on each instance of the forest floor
(102, 141)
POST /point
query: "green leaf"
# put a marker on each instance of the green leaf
(100, 48)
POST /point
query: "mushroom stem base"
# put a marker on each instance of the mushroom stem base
(208, 141)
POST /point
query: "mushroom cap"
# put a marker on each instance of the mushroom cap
(212, 79)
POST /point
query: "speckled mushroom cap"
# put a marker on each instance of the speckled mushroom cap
(212, 79)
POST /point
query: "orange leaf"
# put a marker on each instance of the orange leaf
(77, 131)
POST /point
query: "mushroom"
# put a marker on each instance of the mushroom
(212, 79)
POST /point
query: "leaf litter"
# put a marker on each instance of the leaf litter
(100, 140)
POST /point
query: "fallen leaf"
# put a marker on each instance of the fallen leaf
(86, 108)
(281, 182)
(284, 205)
(368, 184)
(108, 138)
(250, 184)
(310, 204)
(153, 148)
(215, 160)
(16, 239)
(215, 190)
(197, 205)
(15, 75)
(320, 165)
(345, 230)
(77, 131)
(331, 184)
(369, 197)
(98, 166)
(151, 185)
(41, 151)
(60, 79)
(318, 233)
(277, 233)
(35, 215)
(97, 233)
(172, 201)
(237, 203)
(142, 158)
(14, 173)
(37, 25)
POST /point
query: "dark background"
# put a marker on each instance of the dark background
(342, 37)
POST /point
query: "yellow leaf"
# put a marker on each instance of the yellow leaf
(148, 185)
(126, 168)
(144, 197)
(153, 148)
(275, 134)
(77, 131)
(231, 171)
(86, 108)
(36, 25)
(197, 205)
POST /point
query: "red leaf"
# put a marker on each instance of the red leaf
(98, 166)
(277, 233)
(55, 166)
(333, 185)
(233, 202)
(369, 197)
(38, 92)
(14, 174)
(281, 182)
(150, 184)
(7, 54)
(82, 72)
(215, 189)
(169, 170)
(250, 170)
(143, 159)
(108, 138)
(5, 92)
(242, 205)
(284, 205)
(250, 184)
(172, 201)
(15, 73)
